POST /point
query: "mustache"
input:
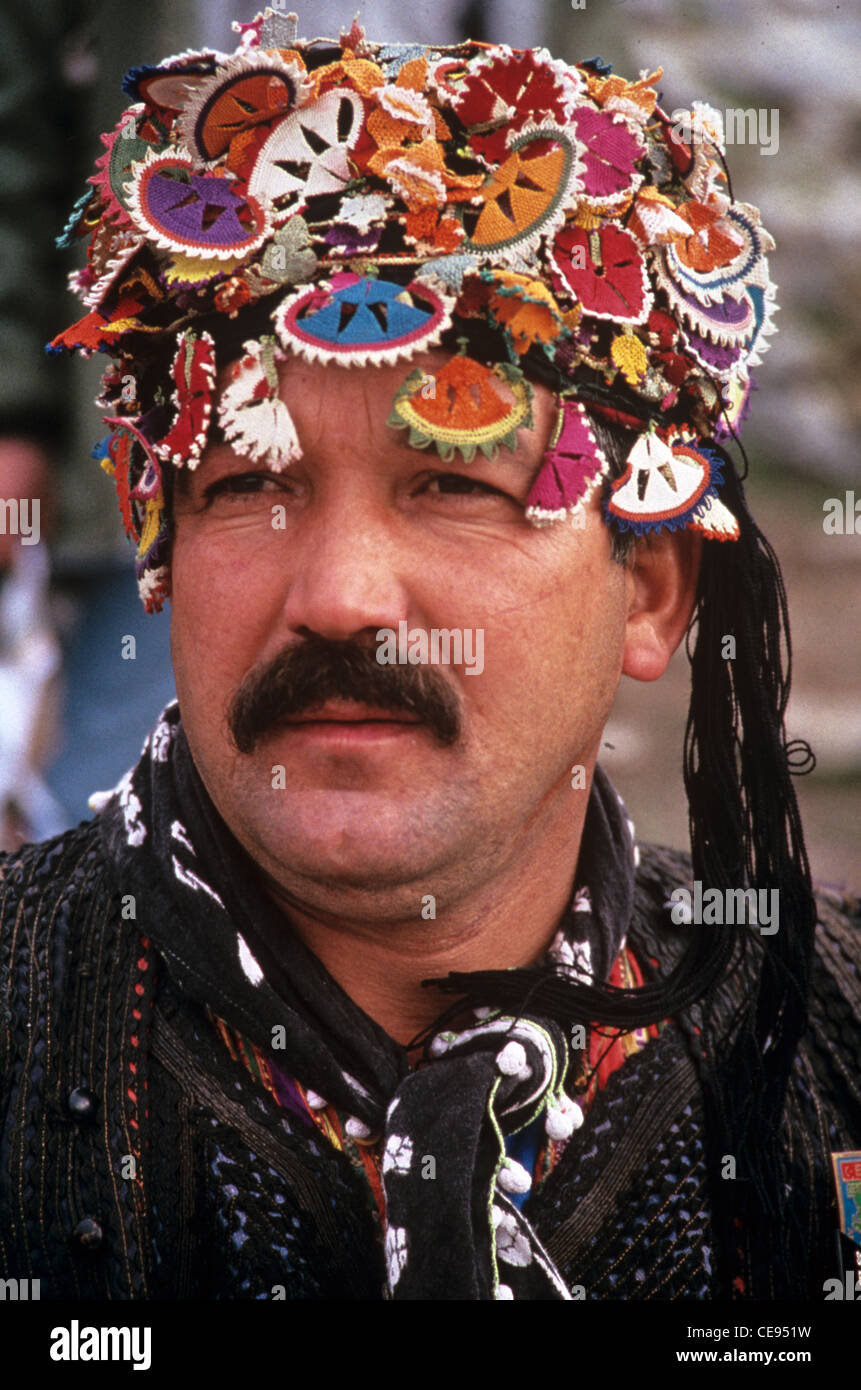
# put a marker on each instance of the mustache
(301, 678)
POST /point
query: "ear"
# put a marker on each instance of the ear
(662, 591)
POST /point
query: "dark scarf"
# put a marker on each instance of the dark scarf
(452, 1230)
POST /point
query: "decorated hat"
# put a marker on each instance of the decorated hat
(360, 203)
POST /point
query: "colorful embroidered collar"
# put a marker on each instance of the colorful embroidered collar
(380, 200)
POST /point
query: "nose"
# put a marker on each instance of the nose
(345, 569)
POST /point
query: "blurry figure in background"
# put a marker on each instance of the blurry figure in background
(73, 607)
(29, 649)
(36, 101)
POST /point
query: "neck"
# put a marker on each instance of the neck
(508, 919)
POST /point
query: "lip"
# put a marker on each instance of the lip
(344, 725)
(344, 712)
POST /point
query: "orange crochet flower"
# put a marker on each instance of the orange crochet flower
(232, 294)
(418, 174)
(654, 219)
(462, 407)
(407, 130)
(359, 73)
(528, 310)
(251, 100)
(429, 230)
(404, 114)
(615, 93)
(518, 194)
(711, 244)
(448, 234)
(413, 74)
(467, 397)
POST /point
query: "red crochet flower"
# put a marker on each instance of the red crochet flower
(232, 295)
(508, 92)
(664, 327)
(604, 271)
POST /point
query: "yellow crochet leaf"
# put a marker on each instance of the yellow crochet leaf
(629, 355)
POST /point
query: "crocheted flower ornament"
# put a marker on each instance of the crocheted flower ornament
(376, 201)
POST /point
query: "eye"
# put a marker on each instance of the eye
(242, 484)
(460, 485)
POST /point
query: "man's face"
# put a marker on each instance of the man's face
(364, 533)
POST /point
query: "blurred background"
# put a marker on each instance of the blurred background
(73, 711)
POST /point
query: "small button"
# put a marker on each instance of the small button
(82, 1103)
(89, 1234)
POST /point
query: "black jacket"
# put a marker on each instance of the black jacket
(138, 1160)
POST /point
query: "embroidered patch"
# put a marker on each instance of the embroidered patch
(846, 1170)
(710, 243)
(571, 469)
(249, 90)
(420, 177)
(358, 227)
(394, 56)
(450, 271)
(508, 90)
(714, 520)
(404, 107)
(114, 454)
(192, 272)
(170, 83)
(526, 309)
(144, 471)
(120, 248)
(630, 356)
(610, 153)
(96, 330)
(204, 214)
(653, 219)
(728, 321)
(604, 271)
(526, 197)
(288, 259)
(80, 220)
(633, 99)
(461, 407)
(307, 154)
(129, 457)
(123, 148)
(250, 412)
(154, 588)
(193, 374)
(731, 303)
(665, 485)
(358, 320)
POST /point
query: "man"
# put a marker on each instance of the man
(357, 985)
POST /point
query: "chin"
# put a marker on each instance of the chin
(300, 866)
(359, 840)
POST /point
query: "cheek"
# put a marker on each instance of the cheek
(220, 607)
(590, 634)
(556, 645)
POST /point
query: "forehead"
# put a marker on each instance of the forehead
(330, 401)
(294, 370)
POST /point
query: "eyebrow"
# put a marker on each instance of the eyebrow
(525, 467)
